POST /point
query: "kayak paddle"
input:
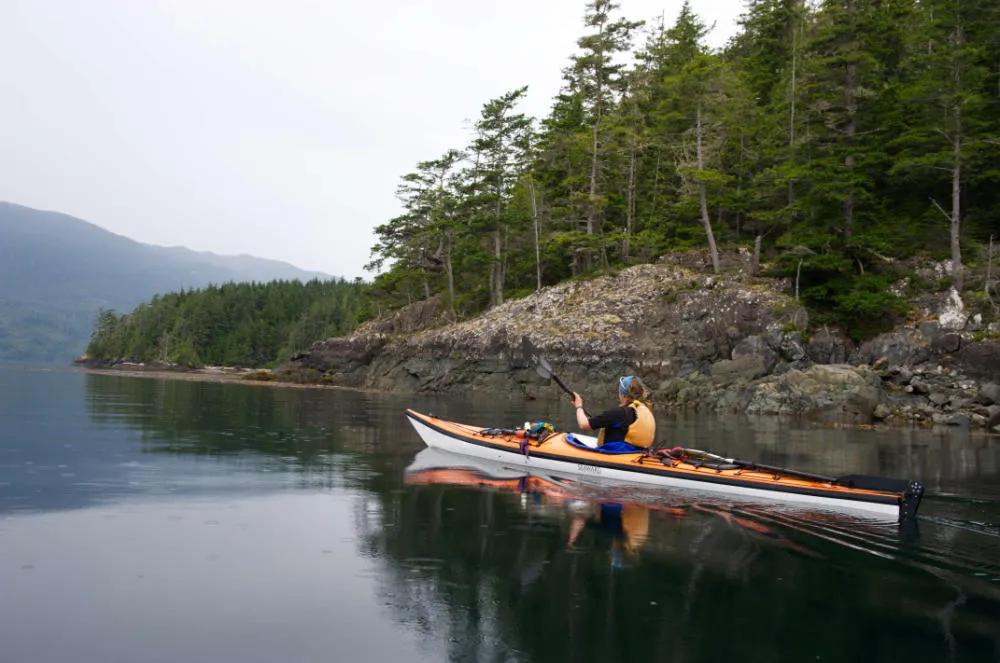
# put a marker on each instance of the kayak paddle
(750, 465)
(543, 367)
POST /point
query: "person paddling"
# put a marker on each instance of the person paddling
(631, 422)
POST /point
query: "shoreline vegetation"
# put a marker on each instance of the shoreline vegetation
(729, 343)
(235, 324)
(800, 222)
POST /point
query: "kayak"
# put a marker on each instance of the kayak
(576, 454)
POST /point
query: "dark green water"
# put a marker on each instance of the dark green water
(146, 520)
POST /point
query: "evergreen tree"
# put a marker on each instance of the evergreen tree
(236, 324)
(443, 202)
(600, 80)
(946, 93)
(500, 136)
(690, 95)
(561, 170)
(831, 132)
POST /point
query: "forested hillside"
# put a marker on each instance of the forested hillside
(837, 137)
(236, 324)
(57, 271)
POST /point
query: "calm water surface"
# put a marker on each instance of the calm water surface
(148, 520)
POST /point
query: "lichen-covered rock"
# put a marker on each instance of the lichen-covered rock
(898, 376)
(787, 344)
(938, 398)
(823, 390)
(828, 346)
(980, 359)
(657, 321)
(754, 346)
(953, 316)
(341, 361)
(415, 317)
(946, 344)
(719, 342)
(903, 347)
(990, 393)
(930, 329)
(728, 371)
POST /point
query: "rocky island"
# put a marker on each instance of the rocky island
(728, 343)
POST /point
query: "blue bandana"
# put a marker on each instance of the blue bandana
(623, 385)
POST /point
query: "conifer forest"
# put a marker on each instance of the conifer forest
(834, 140)
(831, 141)
(233, 324)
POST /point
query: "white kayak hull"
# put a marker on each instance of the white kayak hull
(435, 438)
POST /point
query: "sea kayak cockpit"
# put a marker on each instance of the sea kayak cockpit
(614, 448)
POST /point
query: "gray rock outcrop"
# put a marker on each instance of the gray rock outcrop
(724, 343)
(832, 391)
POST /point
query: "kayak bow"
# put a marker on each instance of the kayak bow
(897, 498)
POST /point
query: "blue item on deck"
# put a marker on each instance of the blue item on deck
(606, 448)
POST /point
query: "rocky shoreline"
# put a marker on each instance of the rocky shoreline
(166, 371)
(722, 343)
(728, 343)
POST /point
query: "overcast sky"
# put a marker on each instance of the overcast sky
(279, 128)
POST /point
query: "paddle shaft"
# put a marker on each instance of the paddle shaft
(767, 468)
(562, 384)
(568, 391)
(783, 470)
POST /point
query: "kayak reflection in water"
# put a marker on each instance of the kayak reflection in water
(626, 523)
(631, 422)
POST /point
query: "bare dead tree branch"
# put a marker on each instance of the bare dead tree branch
(946, 136)
(946, 215)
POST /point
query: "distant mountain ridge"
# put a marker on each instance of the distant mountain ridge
(57, 271)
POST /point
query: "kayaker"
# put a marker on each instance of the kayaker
(631, 422)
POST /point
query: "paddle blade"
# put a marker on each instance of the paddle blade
(542, 365)
(531, 353)
(543, 368)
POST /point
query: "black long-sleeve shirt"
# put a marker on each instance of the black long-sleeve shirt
(615, 422)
